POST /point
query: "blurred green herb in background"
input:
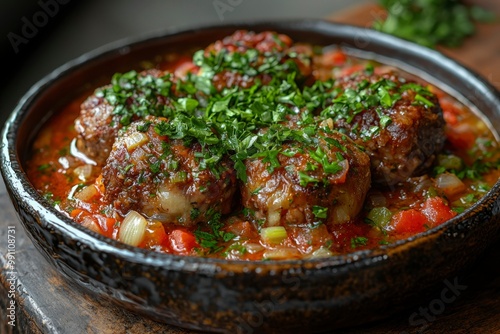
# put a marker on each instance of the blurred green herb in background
(432, 22)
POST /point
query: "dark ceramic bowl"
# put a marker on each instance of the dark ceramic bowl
(247, 297)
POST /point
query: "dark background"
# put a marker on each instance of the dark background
(40, 35)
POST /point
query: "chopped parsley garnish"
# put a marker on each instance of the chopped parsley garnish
(144, 126)
(195, 213)
(319, 211)
(455, 165)
(50, 198)
(380, 95)
(213, 240)
(227, 123)
(358, 241)
(423, 100)
(135, 95)
(235, 247)
(44, 167)
(250, 63)
(329, 167)
(305, 179)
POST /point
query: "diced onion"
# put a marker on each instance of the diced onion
(450, 184)
(320, 252)
(86, 193)
(273, 234)
(273, 218)
(135, 139)
(376, 198)
(340, 215)
(83, 172)
(91, 224)
(253, 248)
(173, 201)
(132, 229)
(282, 253)
(327, 123)
(422, 183)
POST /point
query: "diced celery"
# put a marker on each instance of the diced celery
(450, 162)
(379, 217)
(180, 176)
(273, 234)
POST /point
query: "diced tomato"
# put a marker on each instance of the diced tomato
(182, 241)
(437, 211)
(350, 70)
(77, 212)
(183, 69)
(243, 229)
(335, 58)
(450, 118)
(106, 224)
(307, 238)
(461, 137)
(319, 235)
(180, 67)
(253, 257)
(409, 221)
(450, 112)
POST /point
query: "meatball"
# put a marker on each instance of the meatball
(242, 40)
(258, 55)
(325, 180)
(102, 116)
(164, 179)
(398, 122)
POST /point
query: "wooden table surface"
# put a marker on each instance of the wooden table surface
(46, 303)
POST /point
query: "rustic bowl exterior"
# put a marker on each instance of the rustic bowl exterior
(248, 297)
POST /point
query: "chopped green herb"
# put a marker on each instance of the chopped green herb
(319, 211)
(235, 247)
(213, 241)
(423, 100)
(44, 167)
(358, 241)
(432, 22)
(305, 179)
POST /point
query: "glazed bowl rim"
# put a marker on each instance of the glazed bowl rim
(18, 183)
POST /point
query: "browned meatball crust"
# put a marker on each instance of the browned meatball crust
(163, 178)
(402, 129)
(99, 120)
(325, 181)
(259, 54)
